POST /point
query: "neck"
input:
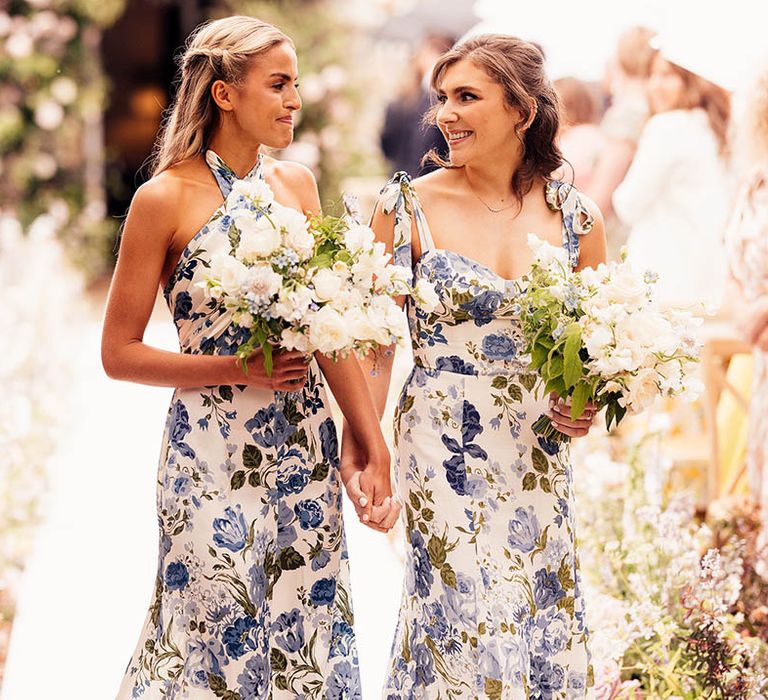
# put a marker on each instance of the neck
(493, 180)
(240, 156)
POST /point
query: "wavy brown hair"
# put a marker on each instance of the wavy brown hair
(219, 50)
(699, 93)
(518, 66)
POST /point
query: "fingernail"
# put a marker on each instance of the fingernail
(363, 502)
(556, 425)
(366, 518)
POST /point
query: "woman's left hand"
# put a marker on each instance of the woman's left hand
(560, 415)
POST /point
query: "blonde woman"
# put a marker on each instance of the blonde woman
(252, 591)
(747, 245)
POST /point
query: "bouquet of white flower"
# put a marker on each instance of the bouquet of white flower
(599, 336)
(320, 284)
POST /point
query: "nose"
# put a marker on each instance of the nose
(446, 115)
(292, 99)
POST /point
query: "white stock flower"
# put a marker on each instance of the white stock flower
(294, 340)
(256, 191)
(263, 282)
(328, 331)
(425, 295)
(327, 284)
(301, 241)
(358, 238)
(291, 305)
(545, 253)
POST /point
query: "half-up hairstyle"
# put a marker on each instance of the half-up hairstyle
(518, 66)
(218, 50)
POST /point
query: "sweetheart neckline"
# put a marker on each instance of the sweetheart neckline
(466, 258)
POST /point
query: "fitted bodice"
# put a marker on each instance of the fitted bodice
(202, 325)
(475, 329)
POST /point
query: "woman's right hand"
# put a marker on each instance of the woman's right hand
(289, 371)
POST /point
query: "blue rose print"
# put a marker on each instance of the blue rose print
(176, 576)
(231, 531)
(344, 683)
(288, 629)
(237, 636)
(255, 678)
(546, 590)
(293, 479)
(424, 666)
(310, 513)
(483, 307)
(423, 567)
(323, 592)
(342, 639)
(455, 364)
(546, 678)
(498, 346)
(183, 306)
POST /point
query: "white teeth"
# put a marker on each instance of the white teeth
(458, 135)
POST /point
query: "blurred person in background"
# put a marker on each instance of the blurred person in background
(676, 193)
(405, 138)
(747, 244)
(581, 140)
(627, 81)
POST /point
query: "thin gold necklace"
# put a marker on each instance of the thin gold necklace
(485, 204)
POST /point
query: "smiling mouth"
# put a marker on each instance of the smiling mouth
(286, 120)
(455, 137)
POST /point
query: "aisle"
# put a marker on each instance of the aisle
(88, 583)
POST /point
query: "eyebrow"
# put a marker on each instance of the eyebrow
(284, 76)
(461, 88)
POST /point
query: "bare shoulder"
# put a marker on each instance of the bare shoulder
(593, 245)
(594, 210)
(295, 178)
(439, 183)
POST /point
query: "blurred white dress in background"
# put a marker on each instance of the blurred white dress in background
(675, 199)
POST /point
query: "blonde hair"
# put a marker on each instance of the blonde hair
(218, 50)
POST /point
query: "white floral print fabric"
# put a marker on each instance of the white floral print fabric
(491, 605)
(252, 593)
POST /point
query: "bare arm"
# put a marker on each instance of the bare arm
(609, 171)
(145, 243)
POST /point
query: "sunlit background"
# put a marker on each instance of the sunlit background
(83, 86)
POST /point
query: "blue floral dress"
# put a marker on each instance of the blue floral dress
(491, 606)
(252, 592)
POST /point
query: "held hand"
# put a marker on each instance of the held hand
(369, 487)
(289, 371)
(560, 414)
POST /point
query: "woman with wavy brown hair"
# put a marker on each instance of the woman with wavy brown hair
(676, 193)
(492, 605)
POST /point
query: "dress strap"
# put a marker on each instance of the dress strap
(398, 196)
(226, 177)
(577, 219)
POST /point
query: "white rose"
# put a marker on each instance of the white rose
(358, 238)
(301, 241)
(597, 338)
(327, 284)
(425, 295)
(545, 253)
(397, 324)
(650, 330)
(594, 277)
(360, 324)
(292, 304)
(626, 287)
(257, 238)
(289, 220)
(294, 340)
(257, 191)
(263, 282)
(229, 272)
(327, 330)
(613, 363)
(642, 389)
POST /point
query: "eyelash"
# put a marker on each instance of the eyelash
(442, 99)
(280, 86)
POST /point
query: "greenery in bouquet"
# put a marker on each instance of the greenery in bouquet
(52, 93)
(319, 284)
(664, 605)
(598, 336)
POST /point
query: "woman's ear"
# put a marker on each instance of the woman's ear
(222, 95)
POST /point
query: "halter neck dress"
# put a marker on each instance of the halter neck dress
(491, 606)
(251, 598)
